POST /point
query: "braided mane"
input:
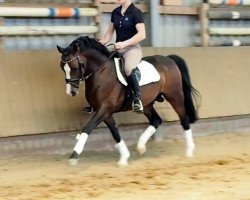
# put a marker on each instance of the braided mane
(90, 43)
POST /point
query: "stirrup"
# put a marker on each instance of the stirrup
(137, 106)
(88, 109)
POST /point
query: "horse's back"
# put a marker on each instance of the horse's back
(160, 61)
(170, 76)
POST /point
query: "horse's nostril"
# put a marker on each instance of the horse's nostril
(73, 94)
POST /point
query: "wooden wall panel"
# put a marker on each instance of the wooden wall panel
(221, 74)
(33, 98)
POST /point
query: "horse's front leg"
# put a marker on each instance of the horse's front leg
(121, 146)
(83, 136)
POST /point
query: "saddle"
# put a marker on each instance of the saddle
(146, 72)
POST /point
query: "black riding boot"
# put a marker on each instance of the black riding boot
(134, 84)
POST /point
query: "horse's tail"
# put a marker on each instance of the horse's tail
(190, 93)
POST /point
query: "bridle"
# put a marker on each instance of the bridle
(80, 77)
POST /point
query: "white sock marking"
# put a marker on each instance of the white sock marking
(124, 153)
(190, 146)
(80, 143)
(141, 145)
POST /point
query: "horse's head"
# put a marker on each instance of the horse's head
(73, 67)
(81, 59)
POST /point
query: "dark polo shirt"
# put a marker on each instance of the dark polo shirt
(125, 24)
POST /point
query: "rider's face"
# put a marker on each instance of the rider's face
(122, 1)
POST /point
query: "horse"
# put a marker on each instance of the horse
(85, 59)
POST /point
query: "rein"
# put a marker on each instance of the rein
(103, 64)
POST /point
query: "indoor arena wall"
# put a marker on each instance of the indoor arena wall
(33, 98)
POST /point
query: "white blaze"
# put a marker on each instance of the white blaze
(67, 72)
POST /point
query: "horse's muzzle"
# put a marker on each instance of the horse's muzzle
(71, 90)
(73, 93)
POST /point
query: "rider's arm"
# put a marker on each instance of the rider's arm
(108, 35)
(141, 35)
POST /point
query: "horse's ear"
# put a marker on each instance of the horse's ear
(60, 49)
(76, 48)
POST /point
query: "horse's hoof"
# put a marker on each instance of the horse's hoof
(122, 163)
(190, 153)
(74, 155)
(141, 149)
(73, 161)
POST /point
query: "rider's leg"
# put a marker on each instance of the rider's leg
(132, 56)
(134, 84)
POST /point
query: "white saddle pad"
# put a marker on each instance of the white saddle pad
(148, 73)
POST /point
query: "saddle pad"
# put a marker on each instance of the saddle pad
(148, 73)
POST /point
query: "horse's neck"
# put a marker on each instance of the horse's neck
(94, 61)
(100, 65)
(103, 79)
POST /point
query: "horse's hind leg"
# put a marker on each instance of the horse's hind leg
(177, 102)
(154, 121)
(122, 147)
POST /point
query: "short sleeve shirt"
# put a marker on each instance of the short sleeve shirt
(125, 24)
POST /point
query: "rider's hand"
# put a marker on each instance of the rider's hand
(102, 42)
(120, 45)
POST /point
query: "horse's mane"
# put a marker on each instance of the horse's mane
(90, 43)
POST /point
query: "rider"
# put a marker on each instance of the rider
(127, 21)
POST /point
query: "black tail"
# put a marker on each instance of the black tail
(189, 91)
